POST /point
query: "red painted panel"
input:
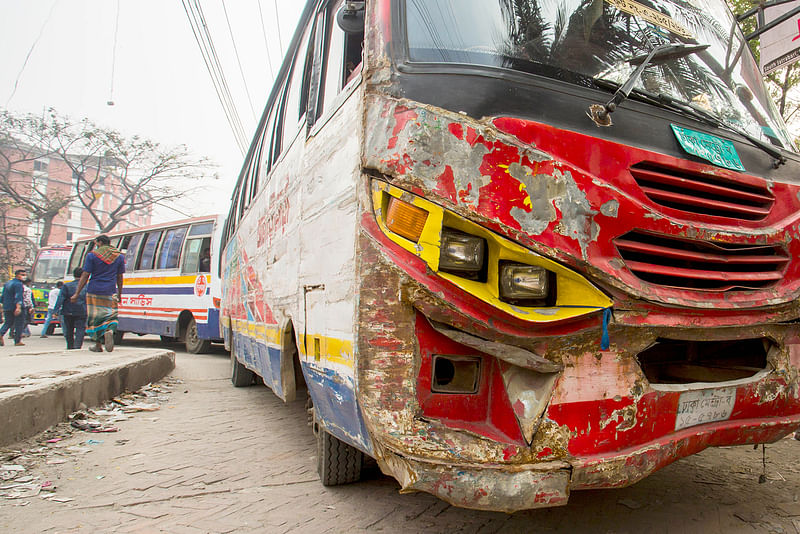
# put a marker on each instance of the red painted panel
(487, 412)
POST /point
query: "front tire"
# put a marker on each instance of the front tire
(337, 462)
(241, 376)
(194, 344)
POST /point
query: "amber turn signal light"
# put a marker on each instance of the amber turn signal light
(405, 219)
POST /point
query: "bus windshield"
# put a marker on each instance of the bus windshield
(51, 265)
(599, 43)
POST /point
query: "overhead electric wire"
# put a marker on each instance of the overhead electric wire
(220, 72)
(238, 60)
(266, 44)
(195, 26)
(114, 57)
(205, 44)
(278, 24)
(28, 56)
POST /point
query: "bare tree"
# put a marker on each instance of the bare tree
(23, 140)
(143, 173)
(137, 172)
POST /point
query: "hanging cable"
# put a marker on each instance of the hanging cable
(220, 72)
(266, 44)
(195, 26)
(205, 44)
(238, 60)
(114, 58)
(27, 57)
(278, 23)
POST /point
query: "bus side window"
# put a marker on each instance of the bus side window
(131, 252)
(196, 255)
(313, 84)
(293, 112)
(124, 241)
(276, 141)
(76, 260)
(148, 256)
(343, 61)
(266, 139)
(171, 248)
(353, 47)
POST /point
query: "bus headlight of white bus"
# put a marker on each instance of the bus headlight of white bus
(486, 265)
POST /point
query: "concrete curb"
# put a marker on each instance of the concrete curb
(38, 407)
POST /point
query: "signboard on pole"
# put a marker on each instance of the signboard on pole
(780, 46)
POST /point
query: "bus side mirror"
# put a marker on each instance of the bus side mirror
(350, 17)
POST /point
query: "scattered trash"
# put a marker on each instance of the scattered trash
(20, 490)
(60, 499)
(54, 448)
(12, 468)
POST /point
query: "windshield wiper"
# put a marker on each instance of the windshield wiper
(601, 114)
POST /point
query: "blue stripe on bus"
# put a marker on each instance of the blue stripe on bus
(336, 405)
(150, 290)
(168, 327)
(333, 397)
(210, 330)
(148, 326)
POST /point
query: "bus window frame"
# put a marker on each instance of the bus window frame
(202, 237)
(81, 255)
(155, 250)
(133, 255)
(161, 248)
(315, 100)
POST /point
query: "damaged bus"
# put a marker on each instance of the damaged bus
(515, 249)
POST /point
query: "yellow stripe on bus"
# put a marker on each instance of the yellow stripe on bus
(162, 280)
(330, 349)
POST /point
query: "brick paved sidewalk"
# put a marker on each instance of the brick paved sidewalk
(220, 459)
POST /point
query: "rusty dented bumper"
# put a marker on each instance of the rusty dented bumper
(602, 419)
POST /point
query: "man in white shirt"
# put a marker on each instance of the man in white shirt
(52, 297)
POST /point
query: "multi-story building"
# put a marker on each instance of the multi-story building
(20, 233)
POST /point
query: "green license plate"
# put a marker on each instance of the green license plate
(711, 148)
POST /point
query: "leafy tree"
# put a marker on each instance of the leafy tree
(781, 83)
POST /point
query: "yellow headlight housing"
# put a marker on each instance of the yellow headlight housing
(437, 243)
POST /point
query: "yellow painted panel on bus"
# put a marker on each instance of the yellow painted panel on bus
(427, 246)
(161, 280)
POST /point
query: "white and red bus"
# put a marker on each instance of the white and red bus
(171, 285)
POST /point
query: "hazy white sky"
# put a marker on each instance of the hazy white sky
(161, 88)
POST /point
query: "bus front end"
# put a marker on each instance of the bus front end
(558, 293)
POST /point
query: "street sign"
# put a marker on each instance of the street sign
(780, 46)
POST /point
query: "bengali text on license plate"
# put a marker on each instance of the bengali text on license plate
(704, 406)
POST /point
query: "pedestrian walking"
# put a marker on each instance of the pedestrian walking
(73, 314)
(13, 312)
(102, 269)
(28, 305)
(52, 297)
